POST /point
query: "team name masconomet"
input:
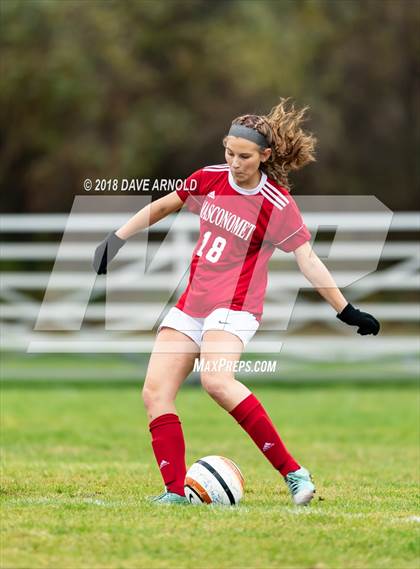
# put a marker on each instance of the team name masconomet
(227, 220)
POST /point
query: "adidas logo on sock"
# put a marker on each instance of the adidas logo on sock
(163, 464)
(267, 446)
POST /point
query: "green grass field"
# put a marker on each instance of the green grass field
(78, 466)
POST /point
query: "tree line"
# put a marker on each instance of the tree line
(147, 88)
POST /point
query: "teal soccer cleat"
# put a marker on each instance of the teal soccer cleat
(300, 486)
(169, 498)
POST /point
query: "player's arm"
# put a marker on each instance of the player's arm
(319, 276)
(147, 216)
(150, 215)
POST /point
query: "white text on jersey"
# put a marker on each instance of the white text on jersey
(227, 220)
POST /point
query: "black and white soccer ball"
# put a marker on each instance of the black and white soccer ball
(214, 480)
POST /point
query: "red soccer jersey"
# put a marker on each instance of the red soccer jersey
(239, 231)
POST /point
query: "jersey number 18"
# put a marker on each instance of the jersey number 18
(215, 251)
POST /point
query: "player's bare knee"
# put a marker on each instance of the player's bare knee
(215, 385)
(150, 395)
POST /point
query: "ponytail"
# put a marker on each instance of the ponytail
(291, 147)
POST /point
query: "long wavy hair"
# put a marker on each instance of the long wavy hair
(291, 147)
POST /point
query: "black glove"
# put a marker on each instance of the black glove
(105, 252)
(354, 317)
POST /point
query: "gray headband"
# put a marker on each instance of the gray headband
(249, 133)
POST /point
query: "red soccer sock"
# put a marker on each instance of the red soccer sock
(253, 418)
(169, 448)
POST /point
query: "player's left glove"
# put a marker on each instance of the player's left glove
(355, 317)
(105, 252)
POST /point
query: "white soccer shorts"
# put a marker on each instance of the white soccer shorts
(240, 323)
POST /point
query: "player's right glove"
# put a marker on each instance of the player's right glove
(105, 252)
(355, 317)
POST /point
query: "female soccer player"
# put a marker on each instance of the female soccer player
(246, 211)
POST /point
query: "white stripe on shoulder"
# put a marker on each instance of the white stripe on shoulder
(270, 199)
(276, 192)
(217, 167)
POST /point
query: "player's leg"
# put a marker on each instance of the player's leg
(238, 400)
(171, 361)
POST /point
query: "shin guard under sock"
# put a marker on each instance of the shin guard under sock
(169, 448)
(254, 419)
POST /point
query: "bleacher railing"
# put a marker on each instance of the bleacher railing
(53, 302)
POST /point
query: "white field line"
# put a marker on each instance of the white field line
(42, 501)
(296, 511)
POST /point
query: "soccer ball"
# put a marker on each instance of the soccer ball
(214, 480)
